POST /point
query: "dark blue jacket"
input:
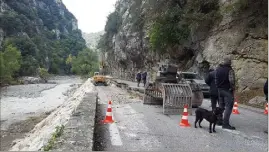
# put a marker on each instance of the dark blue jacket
(224, 76)
(138, 76)
(144, 76)
(210, 80)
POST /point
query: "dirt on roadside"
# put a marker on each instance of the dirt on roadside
(18, 131)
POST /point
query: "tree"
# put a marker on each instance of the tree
(85, 63)
(43, 74)
(68, 63)
(10, 63)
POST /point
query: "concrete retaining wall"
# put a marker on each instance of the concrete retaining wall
(79, 132)
(77, 114)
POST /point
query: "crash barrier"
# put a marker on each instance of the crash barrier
(173, 97)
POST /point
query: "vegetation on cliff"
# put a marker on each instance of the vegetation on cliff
(44, 32)
(173, 26)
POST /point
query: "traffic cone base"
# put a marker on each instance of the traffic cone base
(235, 108)
(236, 112)
(107, 121)
(184, 120)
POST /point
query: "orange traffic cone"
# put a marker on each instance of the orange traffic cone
(266, 109)
(235, 108)
(108, 118)
(184, 121)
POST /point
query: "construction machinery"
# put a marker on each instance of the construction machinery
(171, 91)
(100, 77)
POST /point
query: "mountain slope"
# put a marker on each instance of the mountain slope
(43, 30)
(193, 35)
(92, 39)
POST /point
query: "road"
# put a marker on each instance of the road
(141, 127)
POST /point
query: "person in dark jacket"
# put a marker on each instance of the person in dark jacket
(144, 78)
(225, 81)
(138, 78)
(211, 81)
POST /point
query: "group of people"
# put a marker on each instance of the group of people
(141, 76)
(222, 88)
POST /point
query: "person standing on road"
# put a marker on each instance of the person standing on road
(265, 90)
(138, 78)
(210, 80)
(144, 78)
(225, 81)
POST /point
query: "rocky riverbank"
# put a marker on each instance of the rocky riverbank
(23, 106)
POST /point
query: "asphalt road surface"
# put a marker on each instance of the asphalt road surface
(141, 127)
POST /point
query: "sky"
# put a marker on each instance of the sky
(91, 14)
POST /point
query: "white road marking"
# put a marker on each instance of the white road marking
(114, 134)
(135, 124)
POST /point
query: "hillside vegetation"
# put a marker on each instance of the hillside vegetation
(39, 34)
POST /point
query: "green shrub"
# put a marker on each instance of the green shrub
(43, 73)
(10, 63)
(59, 131)
(85, 63)
(172, 26)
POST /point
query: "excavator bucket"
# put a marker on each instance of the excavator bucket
(153, 95)
(172, 96)
(175, 97)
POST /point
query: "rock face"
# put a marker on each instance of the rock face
(241, 33)
(44, 31)
(92, 39)
(32, 80)
(245, 38)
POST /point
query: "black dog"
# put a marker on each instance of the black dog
(210, 116)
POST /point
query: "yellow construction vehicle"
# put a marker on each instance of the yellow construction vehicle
(99, 77)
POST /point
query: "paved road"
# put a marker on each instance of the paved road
(141, 127)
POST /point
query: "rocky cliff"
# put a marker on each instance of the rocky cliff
(43, 30)
(92, 39)
(193, 35)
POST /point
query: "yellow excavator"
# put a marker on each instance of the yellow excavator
(99, 77)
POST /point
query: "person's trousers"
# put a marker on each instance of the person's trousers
(220, 100)
(144, 81)
(229, 102)
(215, 99)
(138, 82)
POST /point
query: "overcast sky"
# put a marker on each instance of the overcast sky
(91, 14)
